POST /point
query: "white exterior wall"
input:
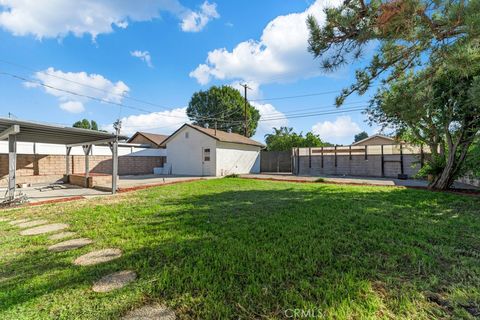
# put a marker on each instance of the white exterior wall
(57, 149)
(237, 158)
(185, 155)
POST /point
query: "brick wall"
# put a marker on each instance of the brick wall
(42, 165)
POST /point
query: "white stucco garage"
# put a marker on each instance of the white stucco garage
(194, 150)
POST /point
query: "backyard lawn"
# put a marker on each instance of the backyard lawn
(244, 249)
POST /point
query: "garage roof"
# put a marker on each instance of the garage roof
(47, 133)
(218, 135)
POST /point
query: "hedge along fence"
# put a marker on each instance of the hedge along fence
(367, 161)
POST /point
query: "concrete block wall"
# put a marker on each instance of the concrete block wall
(357, 166)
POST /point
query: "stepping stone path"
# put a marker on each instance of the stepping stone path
(15, 222)
(44, 229)
(96, 257)
(153, 312)
(114, 281)
(107, 283)
(30, 224)
(70, 245)
(62, 235)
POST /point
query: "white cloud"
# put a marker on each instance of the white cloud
(342, 130)
(268, 111)
(195, 21)
(144, 56)
(58, 18)
(93, 85)
(72, 106)
(280, 55)
(164, 122)
(253, 92)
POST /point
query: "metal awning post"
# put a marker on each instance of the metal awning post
(10, 134)
(67, 159)
(86, 150)
(114, 149)
(12, 166)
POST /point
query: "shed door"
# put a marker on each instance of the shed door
(206, 161)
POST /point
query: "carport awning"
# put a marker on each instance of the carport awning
(47, 133)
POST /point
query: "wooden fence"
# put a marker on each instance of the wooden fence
(276, 161)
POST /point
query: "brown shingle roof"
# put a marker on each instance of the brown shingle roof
(155, 138)
(222, 136)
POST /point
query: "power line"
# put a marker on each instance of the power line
(154, 104)
(314, 114)
(90, 97)
(86, 85)
(302, 95)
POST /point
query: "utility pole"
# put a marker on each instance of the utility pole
(245, 129)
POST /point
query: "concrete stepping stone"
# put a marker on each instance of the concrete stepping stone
(70, 245)
(30, 224)
(44, 229)
(15, 222)
(62, 235)
(151, 312)
(96, 257)
(114, 281)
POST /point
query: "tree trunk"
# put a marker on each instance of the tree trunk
(452, 167)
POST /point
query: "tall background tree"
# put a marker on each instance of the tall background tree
(225, 106)
(360, 136)
(423, 47)
(284, 139)
(86, 124)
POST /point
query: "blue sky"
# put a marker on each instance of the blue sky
(161, 52)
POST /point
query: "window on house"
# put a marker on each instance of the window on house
(186, 135)
(206, 154)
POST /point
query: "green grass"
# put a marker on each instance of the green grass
(243, 249)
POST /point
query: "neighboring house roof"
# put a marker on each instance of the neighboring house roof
(219, 136)
(156, 139)
(372, 137)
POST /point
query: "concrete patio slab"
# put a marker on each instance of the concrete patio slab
(65, 191)
(114, 281)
